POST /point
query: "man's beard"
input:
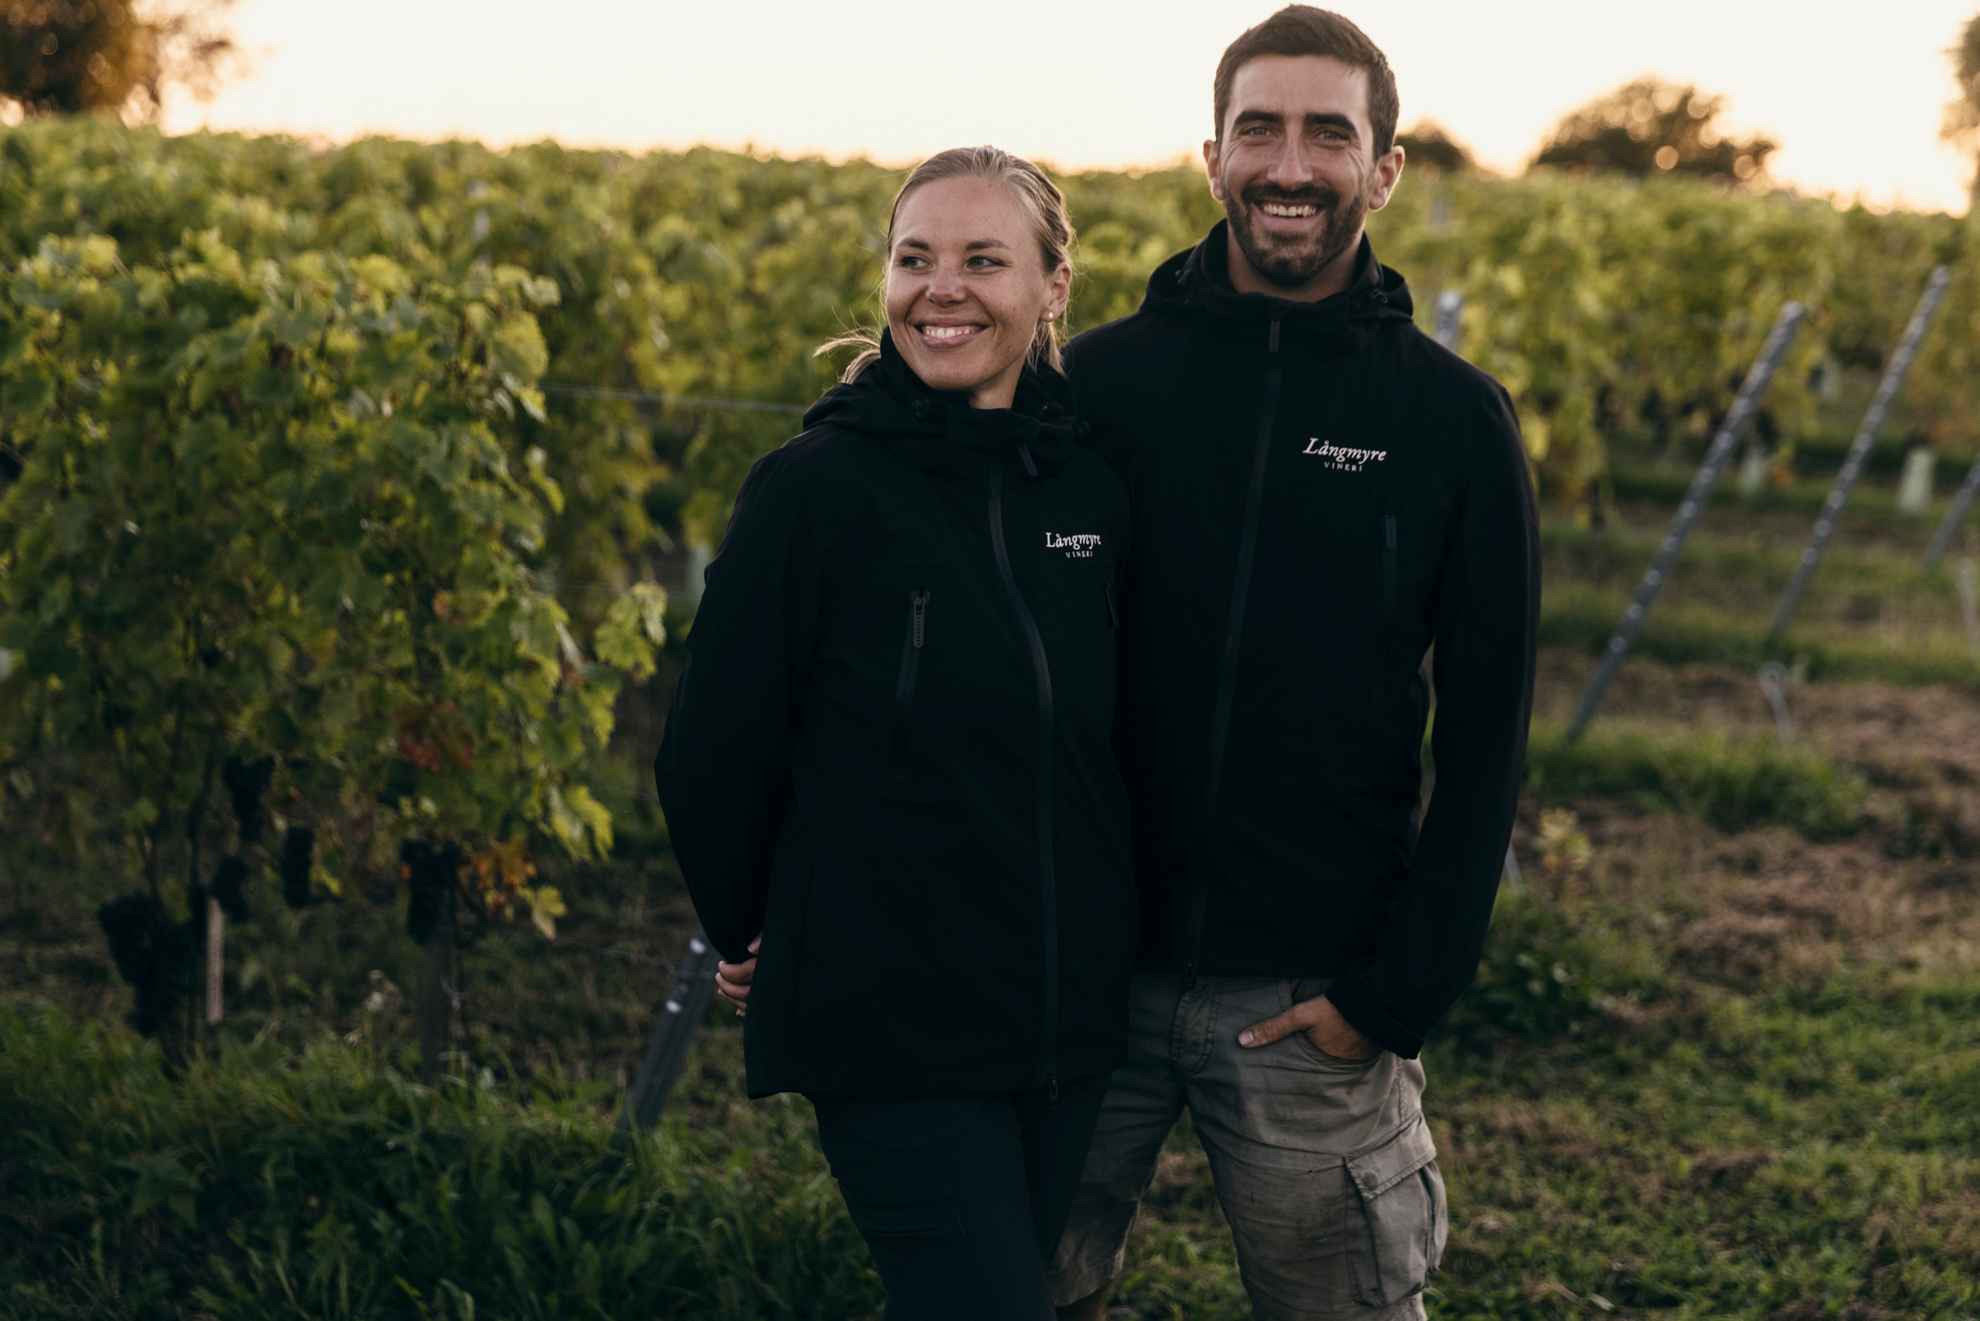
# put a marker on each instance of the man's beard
(1292, 265)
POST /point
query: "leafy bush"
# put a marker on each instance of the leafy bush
(275, 535)
(1537, 980)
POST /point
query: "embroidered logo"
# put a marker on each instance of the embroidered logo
(1073, 545)
(1342, 458)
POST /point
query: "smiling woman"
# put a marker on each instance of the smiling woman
(978, 272)
(891, 754)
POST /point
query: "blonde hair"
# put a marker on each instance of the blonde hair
(1051, 224)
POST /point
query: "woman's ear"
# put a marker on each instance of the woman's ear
(1058, 290)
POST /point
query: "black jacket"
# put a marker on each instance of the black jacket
(892, 748)
(1320, 493)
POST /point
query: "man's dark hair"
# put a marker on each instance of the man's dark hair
(1304, 30)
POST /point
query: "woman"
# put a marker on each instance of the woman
(891, 754)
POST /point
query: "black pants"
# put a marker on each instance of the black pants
(961, 1200)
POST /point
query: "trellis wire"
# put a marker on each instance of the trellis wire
(1859, 449)
(1695, 498)
(706, 403)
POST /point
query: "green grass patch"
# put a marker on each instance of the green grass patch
(1733, 784)
(1744, 564)
(1679, 633)
(270, 1185)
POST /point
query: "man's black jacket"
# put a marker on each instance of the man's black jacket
(1319, 493)
(891, 749)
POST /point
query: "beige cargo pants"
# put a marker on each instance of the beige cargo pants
(1324, 1167)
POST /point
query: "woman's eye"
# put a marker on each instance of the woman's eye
(984, 263)
(909, 262)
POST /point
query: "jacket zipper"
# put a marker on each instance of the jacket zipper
(1113, 611)
(917, 634)
(1048, 888)
(1220, 723)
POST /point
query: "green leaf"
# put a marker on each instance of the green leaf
(634, 630)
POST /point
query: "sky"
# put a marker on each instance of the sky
(1855, 101)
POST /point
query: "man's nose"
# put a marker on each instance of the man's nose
(1290, 167)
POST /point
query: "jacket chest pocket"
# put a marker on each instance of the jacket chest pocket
(915, 602)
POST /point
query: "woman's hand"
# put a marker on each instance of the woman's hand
(732, 979)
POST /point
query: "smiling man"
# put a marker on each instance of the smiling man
(1321, 495)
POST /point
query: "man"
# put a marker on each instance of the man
(1320, 494)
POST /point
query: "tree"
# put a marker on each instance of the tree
(1650, 127)
(1426, 144)
(1962, 124)
(70, 56)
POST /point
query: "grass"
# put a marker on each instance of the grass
(275, 1185)
(1625, 1126)
(1681, 632)
(1749, 564)
(1733, 784)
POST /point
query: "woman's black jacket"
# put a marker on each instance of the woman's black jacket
(891, 750)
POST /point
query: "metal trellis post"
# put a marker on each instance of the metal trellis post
(1450, 318)
(1859, 449)
(1962, 502)
(666, 1050)
(1695, 498)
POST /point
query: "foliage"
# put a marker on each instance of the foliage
(1535, 979)
(276, 512)
(1648, 127)
(1962, 122)
(1604, 305)
(1428, 145)
(68, 56)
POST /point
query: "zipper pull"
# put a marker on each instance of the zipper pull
(1272, 340)
(1030, 464)
(918, 601)
(1052, 1089)
(1113, 611)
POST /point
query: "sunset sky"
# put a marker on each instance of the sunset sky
(1855, 101)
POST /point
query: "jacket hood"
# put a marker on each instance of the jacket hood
(1197, 282)
(938, 429)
